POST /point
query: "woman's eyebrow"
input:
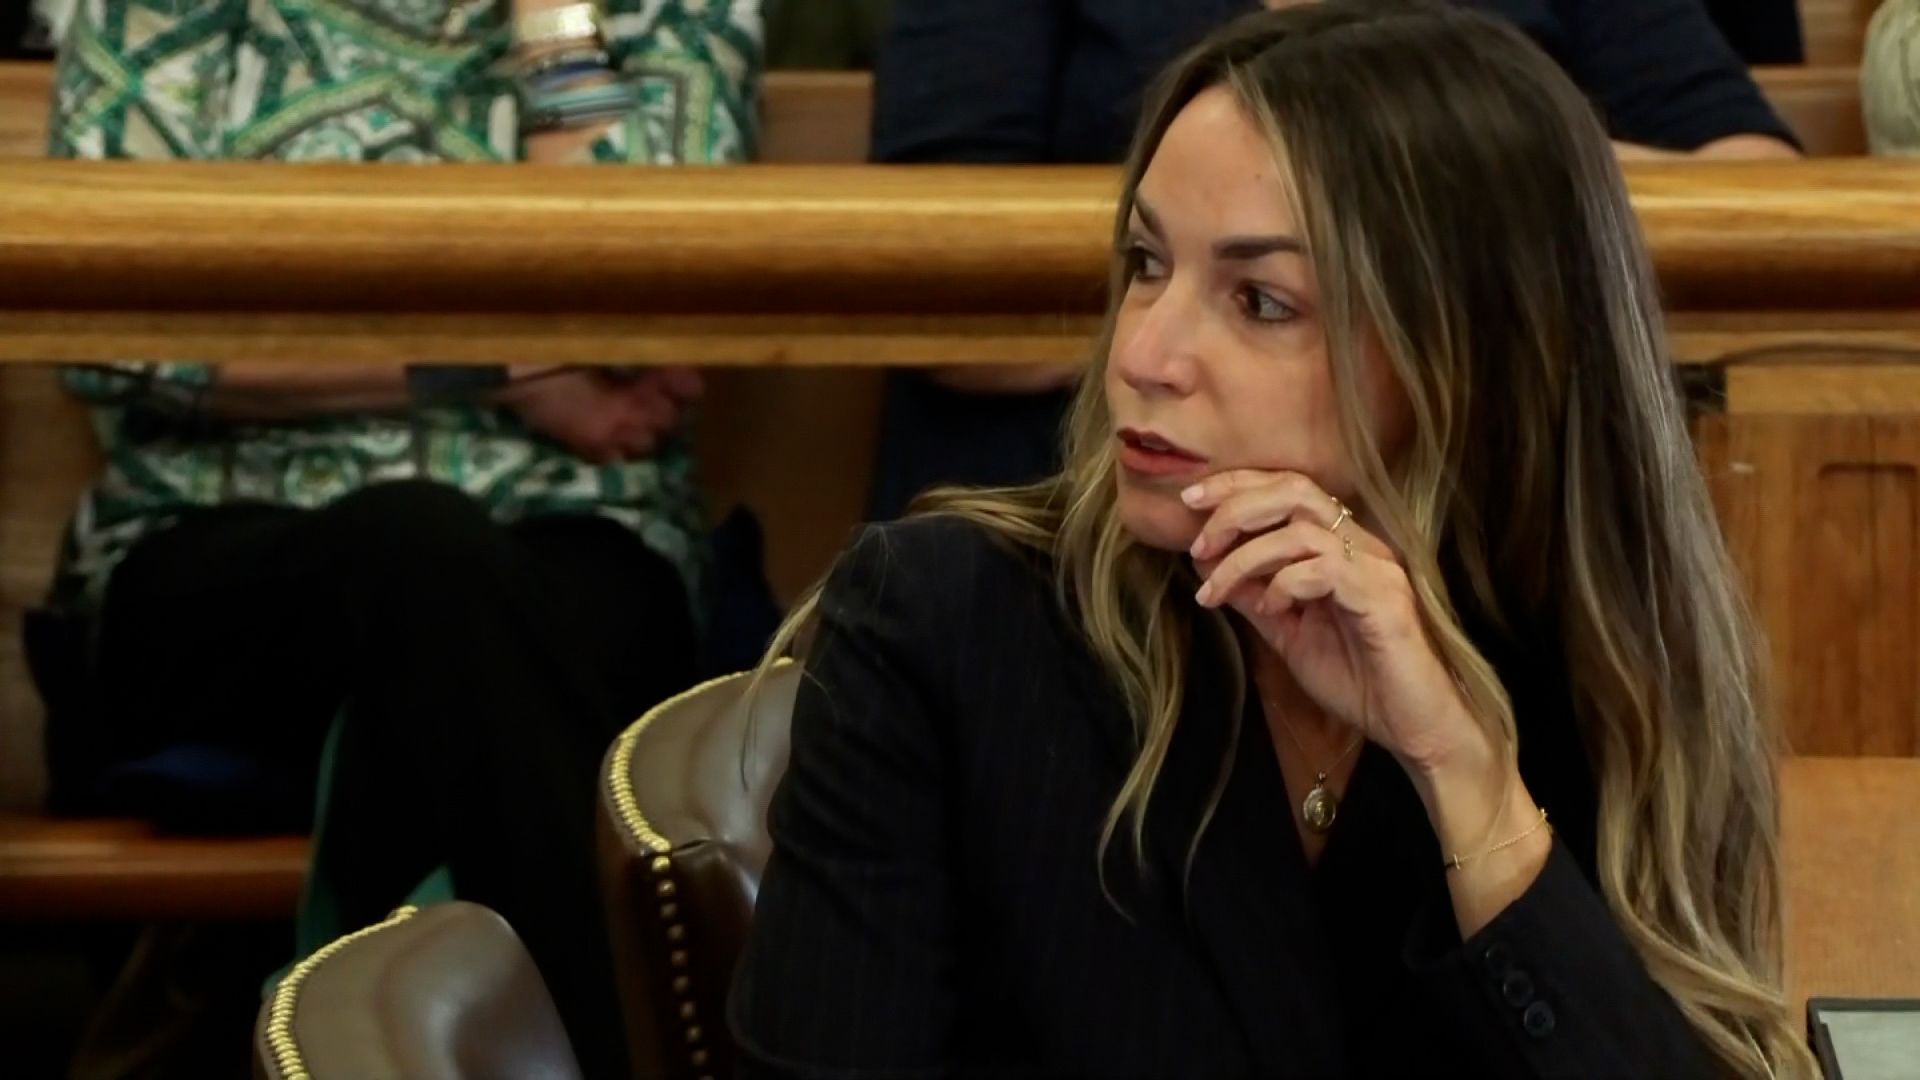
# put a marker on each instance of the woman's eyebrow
(1248, 248)
(1232, 248)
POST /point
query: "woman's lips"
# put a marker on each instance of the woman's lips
(1149, 453)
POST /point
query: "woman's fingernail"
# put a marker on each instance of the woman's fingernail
(1199, 547)
(1192, 495)
(1205, 594)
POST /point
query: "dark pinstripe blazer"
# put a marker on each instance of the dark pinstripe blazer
(934, 905)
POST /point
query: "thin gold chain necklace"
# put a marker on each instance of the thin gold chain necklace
(1321, 805)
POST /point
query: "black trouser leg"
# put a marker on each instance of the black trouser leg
(480, 671)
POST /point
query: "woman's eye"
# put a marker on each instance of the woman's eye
(1143, 265)
(1261, 306)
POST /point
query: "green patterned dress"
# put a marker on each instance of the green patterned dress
(378, 81)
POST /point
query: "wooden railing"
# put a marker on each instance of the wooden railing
(780, 265)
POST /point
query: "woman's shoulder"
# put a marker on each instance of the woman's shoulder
(946, 605)
(939, 562)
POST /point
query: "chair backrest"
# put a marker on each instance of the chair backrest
(683, 841)
(445, 991)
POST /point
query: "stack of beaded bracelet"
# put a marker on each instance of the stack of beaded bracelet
(569, 100)
(567, 81)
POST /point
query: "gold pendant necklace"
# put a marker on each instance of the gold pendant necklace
(1321, 805)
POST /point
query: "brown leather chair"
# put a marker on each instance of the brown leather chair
(440, 991)
(683, 842)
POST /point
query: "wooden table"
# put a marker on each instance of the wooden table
(1851, 838)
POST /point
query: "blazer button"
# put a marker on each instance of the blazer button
(1517, 988)
(1498, 959)
(1538, 1020)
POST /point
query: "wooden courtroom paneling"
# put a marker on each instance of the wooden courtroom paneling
(1822, 514)
(1850, 845)
(815, 117)
(47, 454)
(1820, 104)
(1830, 384)
(1834, 30)
(797, 447)
(24, 94)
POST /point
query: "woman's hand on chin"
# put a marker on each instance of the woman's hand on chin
(1334, 602)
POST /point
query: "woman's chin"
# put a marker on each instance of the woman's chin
(1159, 521)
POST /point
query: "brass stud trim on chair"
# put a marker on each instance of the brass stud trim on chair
(286, 1050)
(641, 832)
(620, 783)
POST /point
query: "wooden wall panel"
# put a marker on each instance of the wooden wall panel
(1834, 30)
(47, 455)
(1820, 104)
(1822, 514)
(798, 448)
(24, 95)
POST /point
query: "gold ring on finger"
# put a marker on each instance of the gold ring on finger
(1340, 518)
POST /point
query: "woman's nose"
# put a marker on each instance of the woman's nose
(1154, 352)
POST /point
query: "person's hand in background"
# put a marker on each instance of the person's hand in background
(606, 417)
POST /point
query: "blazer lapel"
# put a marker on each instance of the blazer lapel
(1248, 901)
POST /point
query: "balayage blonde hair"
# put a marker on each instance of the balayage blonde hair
(1464, 214)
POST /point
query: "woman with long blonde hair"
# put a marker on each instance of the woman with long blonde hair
(1369, 696)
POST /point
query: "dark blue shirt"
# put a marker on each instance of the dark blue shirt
(1061, 81)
